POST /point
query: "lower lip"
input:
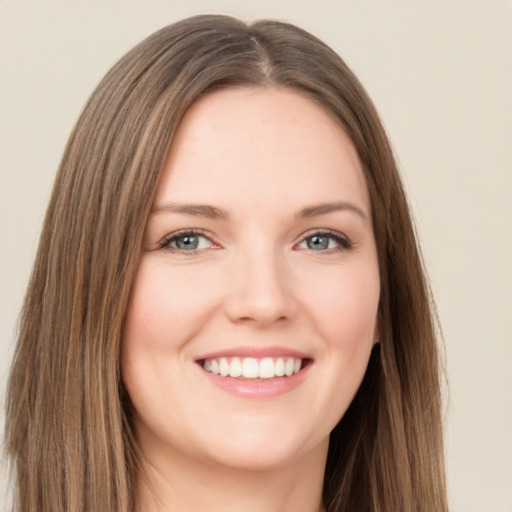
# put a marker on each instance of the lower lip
(261, 388)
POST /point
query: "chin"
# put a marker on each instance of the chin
(256, 458)
(263, 447)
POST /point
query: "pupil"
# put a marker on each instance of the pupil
(187, 242)
(318, 242)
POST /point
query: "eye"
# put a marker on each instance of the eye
(326, 241)
(187, 241)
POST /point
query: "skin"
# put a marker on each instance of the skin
(256, 279)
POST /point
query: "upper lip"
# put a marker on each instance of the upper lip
(256, 352)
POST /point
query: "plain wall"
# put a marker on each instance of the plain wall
(440, 73)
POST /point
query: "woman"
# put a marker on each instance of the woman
(228, 309)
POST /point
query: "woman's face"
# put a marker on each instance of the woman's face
(254, 307)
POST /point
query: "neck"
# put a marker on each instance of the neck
(179, 483)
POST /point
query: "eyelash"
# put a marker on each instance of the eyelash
(168, 240)
(342, 241)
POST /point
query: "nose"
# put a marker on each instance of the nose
(260, 293)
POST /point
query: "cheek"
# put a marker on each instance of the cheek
(160, 319)
(344, 305)
(165, 311)
(165, 308)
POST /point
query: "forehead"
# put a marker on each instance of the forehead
(254, 141)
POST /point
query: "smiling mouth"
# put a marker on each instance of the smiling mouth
(250, 368)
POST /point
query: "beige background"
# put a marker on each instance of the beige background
(440, 73)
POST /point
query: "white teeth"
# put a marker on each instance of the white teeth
(223, 367)
(288, 367)
(266, 368)
(252, 368)
(235, 368)
(279, 367)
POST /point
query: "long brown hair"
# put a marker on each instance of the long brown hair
(68, 428)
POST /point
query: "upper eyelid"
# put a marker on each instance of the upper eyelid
(200, 232)
(344, 242)
(328, 232)
(182, 232)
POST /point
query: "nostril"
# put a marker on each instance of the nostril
(261, 293)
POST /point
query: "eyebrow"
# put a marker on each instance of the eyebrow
(212, 212)
(321, 209)
(197, 210)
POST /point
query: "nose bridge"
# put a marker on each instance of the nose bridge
(261, 291)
